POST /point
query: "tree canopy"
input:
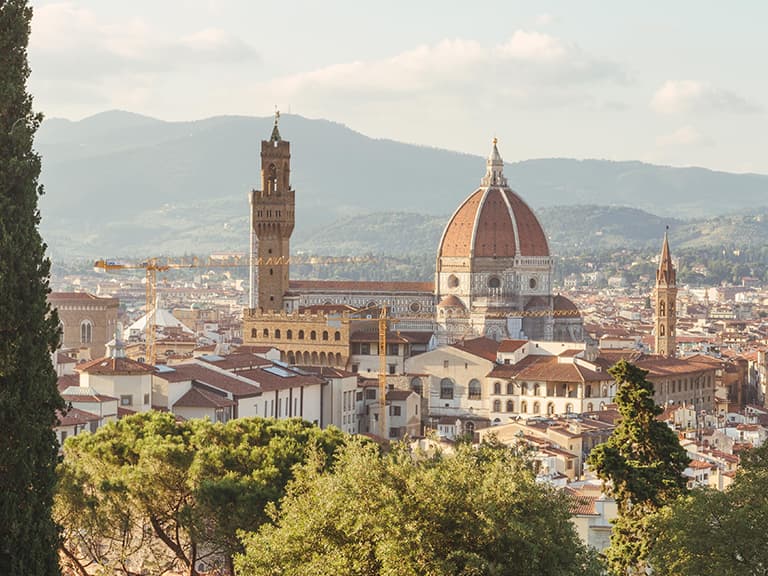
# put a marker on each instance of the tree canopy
(28, 328)
(151, 493)
(478, 512)
(642, 464)
(712, 533)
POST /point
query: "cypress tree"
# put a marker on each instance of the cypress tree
(28, 328)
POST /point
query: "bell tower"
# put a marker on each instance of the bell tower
(272, 221)
(664, 296)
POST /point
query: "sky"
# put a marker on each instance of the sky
(675, 83)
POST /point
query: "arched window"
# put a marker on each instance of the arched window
(313, 335)
(86, 332)
(469, 427)
(535, 389)
(510, 388)
(590, 407)
(446, 389)
(475, 391)
(337, 335)
(524, 407)
(254, 333)
(497, 405)
(588, 391)
(325, 334)
(661, 329)
(494, 282)
(662, 308)
(417, 385)
(289, 334)
(569, 408)
(536, 408)
(301, 334)
(277, 332)
(265, 333)
(524, 388)
(497, 388)
(550, 409)
(510, 406)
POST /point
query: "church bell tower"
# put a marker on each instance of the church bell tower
(665, 295)
(272, 221)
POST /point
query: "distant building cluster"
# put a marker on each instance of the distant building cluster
(487, 349)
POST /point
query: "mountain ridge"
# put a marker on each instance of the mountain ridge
(123, 182)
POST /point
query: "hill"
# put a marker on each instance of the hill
(123, 184)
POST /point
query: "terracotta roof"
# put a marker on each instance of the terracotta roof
(482, 347)
(450, 301)
(194, 372)
(268, 381)
(80, 297)
(485, 224)
(75, 416)
(304, 286)
(123, 412)
(117, 366)
(511, 345)
(582, 505)
(82, 394)
(67, 380)
(237, 361)
(398, 395)
(563, 303)
(548, 369)
(328, 371)
(62, 358)
(200, 398)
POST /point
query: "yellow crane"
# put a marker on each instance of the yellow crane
(152, 266)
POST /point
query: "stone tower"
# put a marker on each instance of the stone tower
(664, 296)
(272, 221)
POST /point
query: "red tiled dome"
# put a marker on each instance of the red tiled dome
(493, 222)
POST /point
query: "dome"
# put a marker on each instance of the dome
(493, 221)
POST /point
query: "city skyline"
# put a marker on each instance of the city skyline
(658, 83)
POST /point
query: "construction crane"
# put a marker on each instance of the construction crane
(152, 266)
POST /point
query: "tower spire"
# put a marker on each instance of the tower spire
(494, 171)
(665, 296)
(275, 132)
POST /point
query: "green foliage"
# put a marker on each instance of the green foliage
(151, 493)
(478, 512)
(28, 328)
(710, 533)
(642, 464)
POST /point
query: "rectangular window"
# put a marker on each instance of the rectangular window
(393, 349)
(394, 432)
(63, 436)
(126, 400)
(370, 394)
(355, 368)
(395, 410)
(445, 363)
(146, 398)
(392, 368)
(365, 348)
(359, 396)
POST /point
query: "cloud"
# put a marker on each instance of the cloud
(526, 63)
(69, 42)
(544, 19)
(678, 96)
(533, 47)
(684, 136)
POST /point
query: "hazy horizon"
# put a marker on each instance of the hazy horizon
(660, 83)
